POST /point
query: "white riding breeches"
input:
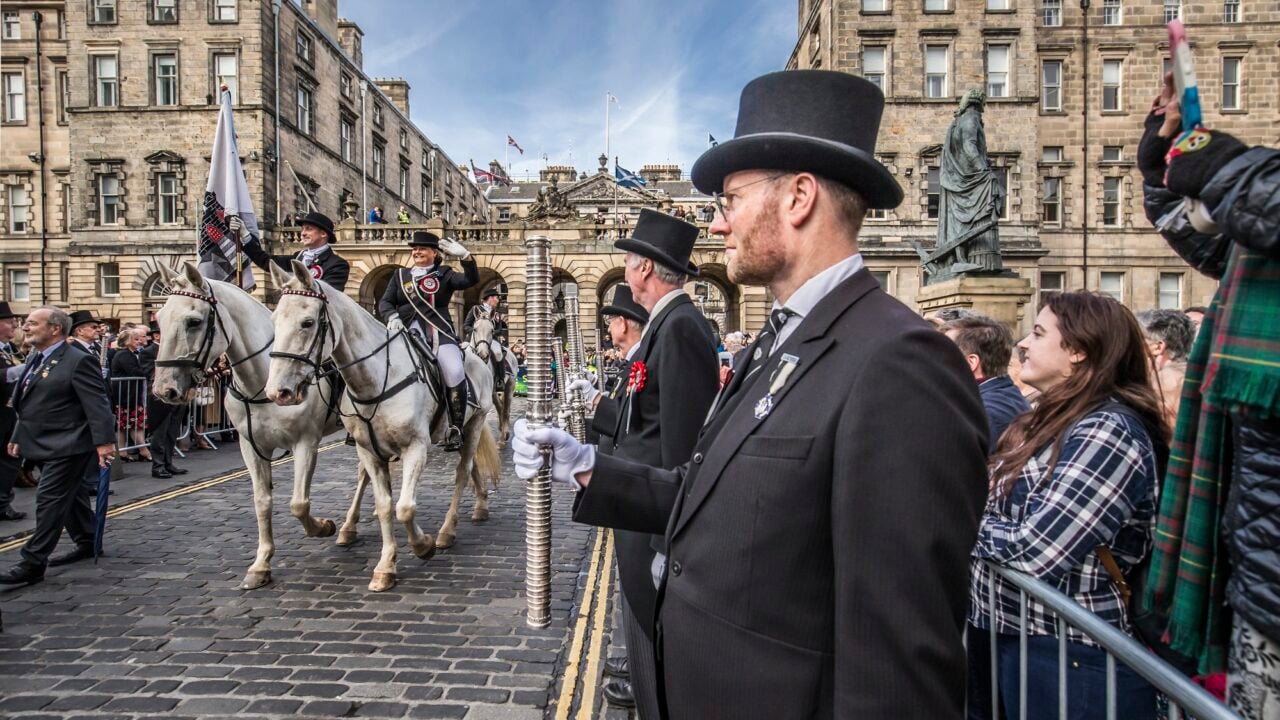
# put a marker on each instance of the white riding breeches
(451, 367)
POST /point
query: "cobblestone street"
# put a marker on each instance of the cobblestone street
(159, 629)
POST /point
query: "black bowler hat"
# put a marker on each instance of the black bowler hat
(626, 306)
(319, 220)
(816, 121)
(5, 312)
(81, 317)
(491, 292)
(422, 238)
(663, 239)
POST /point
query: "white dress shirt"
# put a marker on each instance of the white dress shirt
(804, 299)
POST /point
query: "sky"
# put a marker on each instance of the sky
(539, 71)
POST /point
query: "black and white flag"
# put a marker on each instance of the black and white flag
(227, 194)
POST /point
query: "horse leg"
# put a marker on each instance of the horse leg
(384, 574)
(259, 573)
(504, 417)
(347, 533)
(411, 463)
(461, 475)
(481, 512)
(304, 465)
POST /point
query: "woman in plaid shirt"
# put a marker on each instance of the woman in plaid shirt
(1077, 472)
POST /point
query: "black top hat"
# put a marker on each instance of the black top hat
(491, 292)
(626, 306)
(664, 239)
(319, 220)
(153, 327)
(422, 238)
(81, 317)
(6, 312)
(815, 121)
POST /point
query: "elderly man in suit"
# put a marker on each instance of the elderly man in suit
(65, 424)
(818, 538)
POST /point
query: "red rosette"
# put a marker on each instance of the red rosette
(639, 373)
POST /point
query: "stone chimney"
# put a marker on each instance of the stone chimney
(397, 89)
(351, 38)
(324, 13)
(660, 173)
(496, 168)
(561, 174)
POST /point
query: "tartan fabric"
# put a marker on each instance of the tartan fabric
(1244, 363)
(1101, 492)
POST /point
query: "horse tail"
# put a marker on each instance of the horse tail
(488, 464)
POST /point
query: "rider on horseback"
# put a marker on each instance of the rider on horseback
(488, 308)
(418, 298)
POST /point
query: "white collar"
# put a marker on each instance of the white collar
(661, 305)
(804, 299)
(314, 253)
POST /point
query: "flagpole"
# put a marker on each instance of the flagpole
(615, 197)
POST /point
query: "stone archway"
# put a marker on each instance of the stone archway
(373, 285)
(716, 297)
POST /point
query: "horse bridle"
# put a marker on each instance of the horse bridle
(313, 357)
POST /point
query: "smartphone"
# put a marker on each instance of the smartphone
(1184, 76)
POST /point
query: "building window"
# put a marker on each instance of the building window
(1052, 281)
(1111, 284)
(997, 71)
(1112, 74)
(15, 97)
(882, 277)
(1051, 154)
(1112, 153)
(1051, 85)
(873, 65)
(1231, 83)
(224, 11)
(304, 47)
(62, 25)
(19, 285)
(1002, 179)
(1170, 291)
(64, 95)
(1112, 12)
(1051, 202)
(380, 162)
(344, 85)
(935, 5)
(1052, 13)
(167, 198)
(104, 11)
(998, 5)
(12, 27)
(935, 71)
(1231, 11)
(164, 11)
(933, 190)
(305, 116)
(108, 199)
(1111, 201)
(377, 113)
(19, 204)
(345, 131)
(875, 6)
(404, 181)
(225, 74)
(105, 81)
(1172, 10)
(66, 207)
(108, 279)
(164, 68)
(404, 139)
(426, 196)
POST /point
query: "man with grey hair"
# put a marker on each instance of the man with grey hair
(65, 425)
(1169, 334)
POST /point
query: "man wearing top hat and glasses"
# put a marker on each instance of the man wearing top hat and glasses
(418, 298)
(818, 538)
(86, 333)
(316, 254)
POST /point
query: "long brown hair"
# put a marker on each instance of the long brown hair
(1116, 364)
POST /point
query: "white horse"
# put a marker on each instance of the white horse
(481, 334)
(201, 320)
(387, 408)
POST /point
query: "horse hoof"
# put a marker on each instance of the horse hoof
(480, 515)
(346, 537)
(382, 581)
(428, 548)
(255, 579)
(327, 528)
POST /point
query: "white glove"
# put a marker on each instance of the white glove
(235, 225)
(568, 456)
(584, 387)
(395, 324)
(453, 248)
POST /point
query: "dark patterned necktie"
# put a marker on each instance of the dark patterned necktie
(777, 319)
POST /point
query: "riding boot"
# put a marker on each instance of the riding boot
(457, 416)
(499, 373)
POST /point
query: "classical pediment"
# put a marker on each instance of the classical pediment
(164, 156)
(602, 187)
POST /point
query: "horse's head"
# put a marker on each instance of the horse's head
(306, 333)
(190, 339)
(481, 334)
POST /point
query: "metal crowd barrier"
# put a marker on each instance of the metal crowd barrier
(206, 416)
(1184, 696)
(129, 403)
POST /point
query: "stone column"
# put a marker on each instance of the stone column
(998, 297)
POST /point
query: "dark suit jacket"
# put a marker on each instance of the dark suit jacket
(1004, 402)
(125, 364)
(66, 413)
(396, 302)
(329, 266)
(680, 356)
(146, 360)
(818, 554)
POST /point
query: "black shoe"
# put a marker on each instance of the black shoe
(162, 474)
(11, 514)
(22, 575)
(81, 552)
(617, 667)
(618, 694)
(175, 470)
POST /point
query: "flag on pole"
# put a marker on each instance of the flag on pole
(712, 139)
(626, 178)
(226, 194)
(610, 97)
(483, 177)
(512, 142)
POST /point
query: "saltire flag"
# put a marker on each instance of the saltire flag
(226, 194)
(712, 139)
(626, 178)
(512, 142)
(483, 177)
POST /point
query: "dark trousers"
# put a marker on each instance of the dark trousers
(1086, 681)
(9, 466)
(165, 421)
(61, 501)
(641, 664)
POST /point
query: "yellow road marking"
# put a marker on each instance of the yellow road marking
(587, 706)
(169, 495)
(579, 632)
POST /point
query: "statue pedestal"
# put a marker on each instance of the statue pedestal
(995, 296)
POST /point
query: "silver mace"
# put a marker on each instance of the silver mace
(537, 531)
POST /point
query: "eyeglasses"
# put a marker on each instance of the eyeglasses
(725, 206)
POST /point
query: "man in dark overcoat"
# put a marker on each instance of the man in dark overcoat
(317, 253)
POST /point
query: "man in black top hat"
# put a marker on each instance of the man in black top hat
(317, 255)
(86, 333)
(9, 464)
(818, 539)
(488, 308)
(418, 298)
